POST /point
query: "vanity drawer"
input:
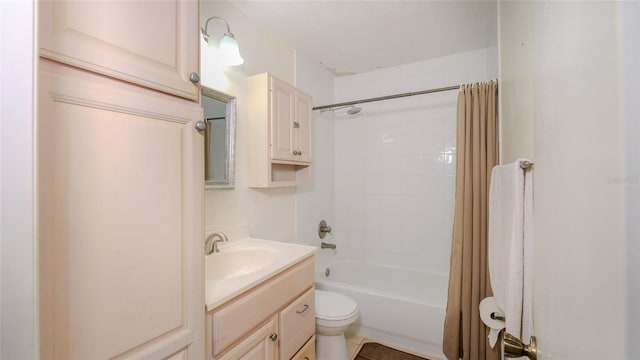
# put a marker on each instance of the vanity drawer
(231, 322)
(297, 324)
(308, 351)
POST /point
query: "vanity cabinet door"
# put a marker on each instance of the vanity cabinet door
(259, 345)
(149, 43)
(297, 324)
(120, 201)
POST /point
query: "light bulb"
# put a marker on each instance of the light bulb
(230, 51)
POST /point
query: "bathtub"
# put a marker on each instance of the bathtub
(400, 307)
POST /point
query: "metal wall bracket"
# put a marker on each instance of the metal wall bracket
(514, 347)
(323, 229)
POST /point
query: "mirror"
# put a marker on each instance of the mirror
(219, 138)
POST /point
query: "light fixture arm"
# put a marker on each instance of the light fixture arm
(206, 26)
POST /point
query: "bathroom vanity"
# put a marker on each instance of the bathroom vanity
(260, 301)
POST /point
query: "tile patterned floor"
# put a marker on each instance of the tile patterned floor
(354, 343)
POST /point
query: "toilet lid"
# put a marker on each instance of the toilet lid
(334, 306)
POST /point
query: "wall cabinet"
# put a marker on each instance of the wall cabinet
(281, 133)
(273, 321)
(120, 169)
(290, 122)
(111, 282)
(149, 43)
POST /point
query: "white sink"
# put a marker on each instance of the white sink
(244, 263)
(234, 263)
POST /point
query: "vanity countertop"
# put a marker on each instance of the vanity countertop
(243, 264)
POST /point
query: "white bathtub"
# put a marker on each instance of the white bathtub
(400, 307)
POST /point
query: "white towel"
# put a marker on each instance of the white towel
(510, 245)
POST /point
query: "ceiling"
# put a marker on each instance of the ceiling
(349, 37)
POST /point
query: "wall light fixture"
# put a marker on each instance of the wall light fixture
(228, 46)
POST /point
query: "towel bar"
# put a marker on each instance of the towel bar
(514, 348)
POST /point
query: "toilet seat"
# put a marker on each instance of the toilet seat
(332, 306)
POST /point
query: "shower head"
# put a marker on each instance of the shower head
(354, 110)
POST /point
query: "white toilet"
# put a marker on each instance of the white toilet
(334, 314)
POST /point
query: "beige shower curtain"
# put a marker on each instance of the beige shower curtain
(465, 336)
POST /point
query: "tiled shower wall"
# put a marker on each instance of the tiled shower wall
(395, 163)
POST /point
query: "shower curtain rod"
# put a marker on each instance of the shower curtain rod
(388, 97)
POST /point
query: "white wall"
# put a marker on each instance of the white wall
(270, 212)
(516, 80)
(18, 282)
(493, 62)
(560, 67)
(630, 15)
(315, 202)
(395, 163)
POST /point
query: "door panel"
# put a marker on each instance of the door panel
(120, 198)
(151, 43)
(303, 133)
(282, 115)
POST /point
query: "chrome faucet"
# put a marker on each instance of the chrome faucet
(324, 245)
(211, 243)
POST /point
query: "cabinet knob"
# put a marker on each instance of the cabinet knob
(297, 152)
(273, 337)
(194, 77)
(201, 126)
(296, 125)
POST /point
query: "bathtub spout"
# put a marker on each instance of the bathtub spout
(324, 245)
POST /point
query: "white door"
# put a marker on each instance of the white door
(150, 43)
(120, 181)
(576, 135)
